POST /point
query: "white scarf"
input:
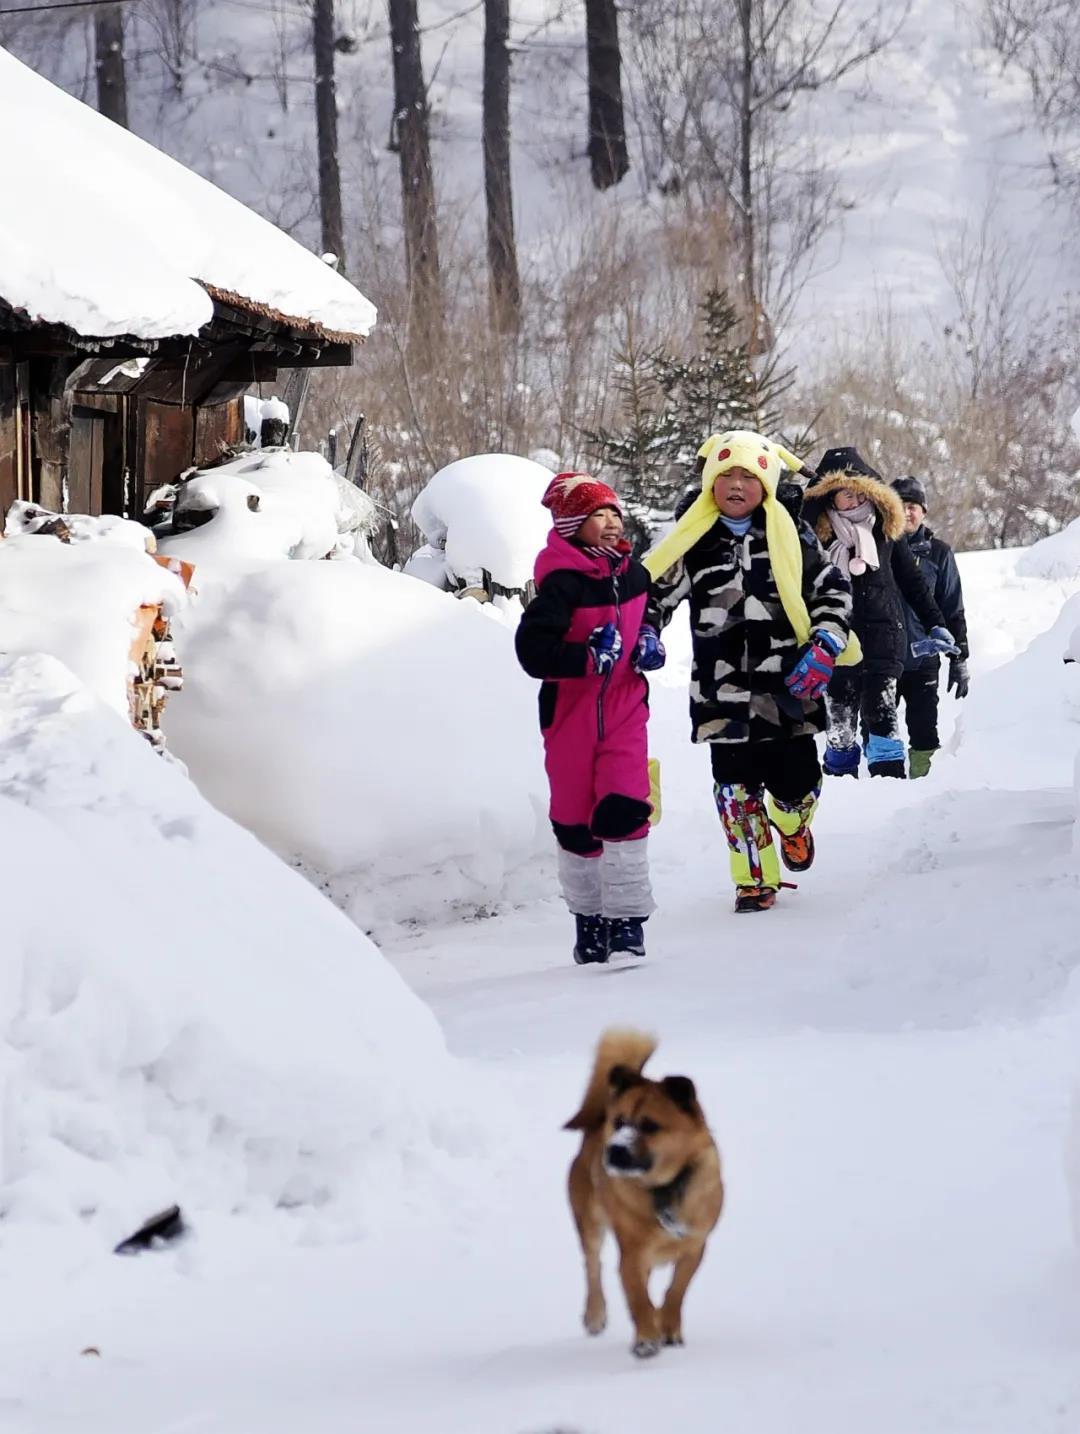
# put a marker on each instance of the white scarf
(853, 549)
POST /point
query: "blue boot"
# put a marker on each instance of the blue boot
(591, 946)
(625, 935)
(843, 761)
(885, 757)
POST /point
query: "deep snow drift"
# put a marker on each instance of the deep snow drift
(368, 727)
(183, 1018)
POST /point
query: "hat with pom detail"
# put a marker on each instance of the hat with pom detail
(573, 497)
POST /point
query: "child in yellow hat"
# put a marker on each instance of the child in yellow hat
(769, 618)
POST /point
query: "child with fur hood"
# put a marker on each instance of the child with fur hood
(585, 637)
(769, 619)
(860, 522)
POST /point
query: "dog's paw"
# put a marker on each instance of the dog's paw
(596, 1323)
(674, 1340)
(645, 1348)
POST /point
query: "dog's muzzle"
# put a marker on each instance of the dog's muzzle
(622, 1154)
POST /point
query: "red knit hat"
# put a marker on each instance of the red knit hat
(573, 497)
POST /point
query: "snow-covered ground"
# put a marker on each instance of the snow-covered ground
(887, 1061)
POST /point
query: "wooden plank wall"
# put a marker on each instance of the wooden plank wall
(9, 434)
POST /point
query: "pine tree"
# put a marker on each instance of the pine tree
(670, 405)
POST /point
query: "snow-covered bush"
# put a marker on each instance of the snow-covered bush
(482, 516)
(183, 1018)
(271, 504)
(77, 601)
(368, 727)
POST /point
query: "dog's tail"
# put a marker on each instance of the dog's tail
(617, 1048)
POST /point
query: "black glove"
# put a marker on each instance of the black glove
(958, 677)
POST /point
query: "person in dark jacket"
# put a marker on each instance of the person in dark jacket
(918, 688)
(860, 522)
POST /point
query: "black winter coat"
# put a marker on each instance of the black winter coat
(937, 565)
(744, 646)
(879, 594)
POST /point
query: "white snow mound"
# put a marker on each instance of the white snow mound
(485, 514)
(367, 725)
(268, 504)
(1054, 557)
(77, 601)
(181, 1017)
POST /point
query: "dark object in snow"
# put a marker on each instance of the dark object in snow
(160, 1229)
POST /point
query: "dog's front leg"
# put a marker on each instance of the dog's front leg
(671, 1310)
(634, 1273)
(592, 1239)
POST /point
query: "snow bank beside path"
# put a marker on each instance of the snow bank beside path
(181, 1017)
(1020, 727)
(375, 730)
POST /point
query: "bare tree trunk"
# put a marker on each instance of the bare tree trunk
(746, 139)
(498, 188)
(417, 181)
(608, 158)
(333, 229)
(109, 63)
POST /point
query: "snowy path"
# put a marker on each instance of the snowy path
(895, 1254)
(885, 1060)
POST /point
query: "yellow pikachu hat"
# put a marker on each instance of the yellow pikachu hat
(739, 448)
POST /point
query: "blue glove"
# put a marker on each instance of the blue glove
(604, 644)
(649, 651)
(809, 677)
(939, 640)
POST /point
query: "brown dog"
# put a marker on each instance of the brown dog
(648, 1169)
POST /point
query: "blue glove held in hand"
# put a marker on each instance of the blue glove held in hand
(604, 644)
(940, 640)
(809, 677)
(649, 654)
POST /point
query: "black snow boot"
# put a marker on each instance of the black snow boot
(626, 935)
(888, 769)
(591, 946)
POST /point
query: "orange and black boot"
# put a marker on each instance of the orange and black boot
(754, 898)
(792, 822)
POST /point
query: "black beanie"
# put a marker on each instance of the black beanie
(911, 491)
(845, 460)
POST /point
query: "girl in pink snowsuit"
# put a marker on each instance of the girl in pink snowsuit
(583, 635)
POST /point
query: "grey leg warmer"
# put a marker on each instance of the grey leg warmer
(579, 877)
(626, 888)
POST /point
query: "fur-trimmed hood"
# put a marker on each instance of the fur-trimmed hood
(885, 500)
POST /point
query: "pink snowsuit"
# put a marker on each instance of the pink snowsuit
(594, 728)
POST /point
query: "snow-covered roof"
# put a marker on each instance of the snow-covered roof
(104, 234)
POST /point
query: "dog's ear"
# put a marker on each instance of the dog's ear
(680, 1090)
(622, 1078)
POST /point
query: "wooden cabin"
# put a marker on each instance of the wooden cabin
(138, 304)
